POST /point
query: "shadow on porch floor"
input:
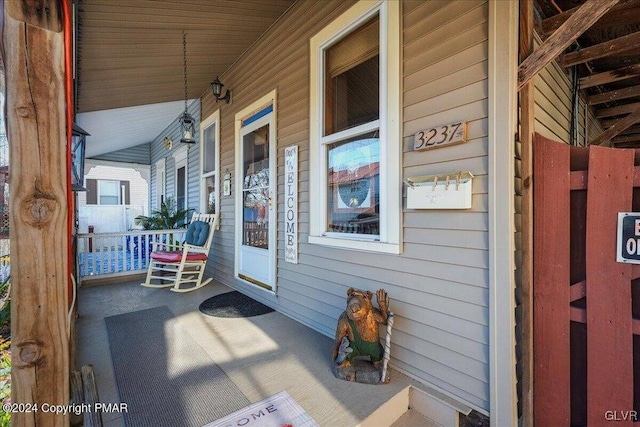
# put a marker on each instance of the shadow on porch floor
(262, 355)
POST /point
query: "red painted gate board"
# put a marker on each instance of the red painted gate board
(583, 374)
(609, 328)
(551, 269)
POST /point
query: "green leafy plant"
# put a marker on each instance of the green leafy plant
(167, 217)
(5, 380)
(5, 299)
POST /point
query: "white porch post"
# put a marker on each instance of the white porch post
(503, 73)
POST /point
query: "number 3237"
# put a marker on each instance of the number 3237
(440, 136)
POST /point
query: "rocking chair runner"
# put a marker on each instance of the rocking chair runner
(185, 264)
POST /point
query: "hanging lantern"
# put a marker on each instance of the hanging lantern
(78, 142)
(187, 123)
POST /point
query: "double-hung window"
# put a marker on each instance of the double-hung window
(209, 161)
(108, 192)
(355, 130)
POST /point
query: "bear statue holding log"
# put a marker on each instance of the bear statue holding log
(358, 330)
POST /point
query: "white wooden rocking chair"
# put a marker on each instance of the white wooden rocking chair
(183, 264)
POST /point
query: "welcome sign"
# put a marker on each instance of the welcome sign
(291, 204)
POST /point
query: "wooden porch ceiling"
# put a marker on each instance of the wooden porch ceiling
(130, 51)
(607, 57)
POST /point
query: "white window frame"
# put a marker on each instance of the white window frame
(389, 125)
(120, 198)
(180, 158)
(161, 181)
(212, 120)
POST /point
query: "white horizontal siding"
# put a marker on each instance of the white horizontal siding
(446, 82)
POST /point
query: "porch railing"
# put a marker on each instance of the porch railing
(113, 254)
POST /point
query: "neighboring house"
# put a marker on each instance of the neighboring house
(116, 194)
(393, 69)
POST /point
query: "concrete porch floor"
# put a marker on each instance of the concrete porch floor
(262, 355)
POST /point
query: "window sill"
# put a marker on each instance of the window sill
(359, 245)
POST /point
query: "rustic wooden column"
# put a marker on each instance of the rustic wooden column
(34, 58)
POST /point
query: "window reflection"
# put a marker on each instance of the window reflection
(353, 182)
(255, 188)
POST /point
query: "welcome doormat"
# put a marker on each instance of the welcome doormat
(279, 410)
(233, 304)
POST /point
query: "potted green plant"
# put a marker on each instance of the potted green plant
(168, 217)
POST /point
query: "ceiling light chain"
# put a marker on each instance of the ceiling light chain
(184, 55)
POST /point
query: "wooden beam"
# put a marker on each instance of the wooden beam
(617, 46)
(34, 64)
(607, 123)
(625, 139)
(616, 111)
(527, 124)
(570, 30)
(614, 95)
(610, 76)
(632, 130)
(624, 13)
(619, 127)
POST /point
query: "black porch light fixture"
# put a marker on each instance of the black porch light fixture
(216, 88)
(187, 123)
(78, 143)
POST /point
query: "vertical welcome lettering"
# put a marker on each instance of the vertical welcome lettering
(291, 204)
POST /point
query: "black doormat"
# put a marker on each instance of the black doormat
(233, 304)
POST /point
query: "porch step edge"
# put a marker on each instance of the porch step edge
(436, 406)
(390, 411)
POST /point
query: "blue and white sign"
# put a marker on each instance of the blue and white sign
(291, 204)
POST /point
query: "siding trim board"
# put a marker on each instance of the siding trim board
(503, 72)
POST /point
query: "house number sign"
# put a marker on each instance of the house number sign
(440, 136)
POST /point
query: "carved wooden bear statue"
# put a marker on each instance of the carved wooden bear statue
(359, 323)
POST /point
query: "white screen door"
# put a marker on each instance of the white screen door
(255, 204)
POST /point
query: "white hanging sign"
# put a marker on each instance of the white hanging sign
(291, 204)
(448, 191)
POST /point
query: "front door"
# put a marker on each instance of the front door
(255, 206)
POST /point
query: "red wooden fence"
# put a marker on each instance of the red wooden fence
(586, 341)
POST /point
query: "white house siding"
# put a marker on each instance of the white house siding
(113, 218)
(439, 284)
(158, 151)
